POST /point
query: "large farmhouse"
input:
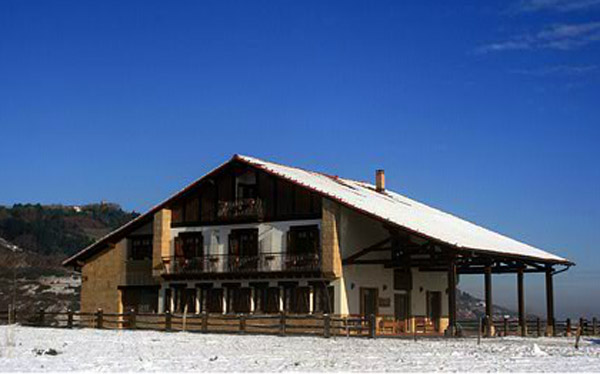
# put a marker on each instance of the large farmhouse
(253, 236)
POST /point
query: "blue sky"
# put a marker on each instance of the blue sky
(488, 110)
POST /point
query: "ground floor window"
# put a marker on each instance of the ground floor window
(140, 299)
(317, 297)
(214, 300)
(239, 300)
(271, 300)
(324, 299)
(300, 300)
(184, 300)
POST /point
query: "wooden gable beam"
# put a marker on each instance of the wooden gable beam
(375, 247)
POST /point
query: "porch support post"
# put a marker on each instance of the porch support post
(311, 300)
(198, 300)
(521, 302)
(172, 300)
(489, 312)
(549, 302)
(225, 299)
(452, 299)
(281, 299)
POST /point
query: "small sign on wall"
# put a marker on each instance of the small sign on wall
(385, 302)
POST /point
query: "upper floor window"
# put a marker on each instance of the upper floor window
(246, 185)
(140, 248)
(243, 249)
(243, 242)
(189, 245)
(303, 239)
(246, 191)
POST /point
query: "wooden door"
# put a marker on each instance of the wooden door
(368, 301)
(434, 308)
(402, 311)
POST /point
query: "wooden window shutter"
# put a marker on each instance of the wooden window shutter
(178, 247)
(290, 242)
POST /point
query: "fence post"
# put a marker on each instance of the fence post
(69, 318)
(488, 326)
(12, 314)
(41, 317)
(326, 325)
(204, 321)
(414, 328)
(582, 325)
(167, 321)
(99, 318)
(372, 326)
(242, 323)
(539, 327)
(594, 326)
(282, 323)
(568, 332)
(132, 319)
(524, 327)
(578, 336)
(505, 326)
(479, 328)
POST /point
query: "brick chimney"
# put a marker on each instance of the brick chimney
(380, 180)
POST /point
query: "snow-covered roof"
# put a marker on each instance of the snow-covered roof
(387, 206)
(405, 212)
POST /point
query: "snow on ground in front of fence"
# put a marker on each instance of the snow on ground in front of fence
(49, 349)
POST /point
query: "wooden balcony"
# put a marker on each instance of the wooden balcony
(242, 209)
(231, 264)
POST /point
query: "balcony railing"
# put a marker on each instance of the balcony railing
(265, 262)
(240, 209)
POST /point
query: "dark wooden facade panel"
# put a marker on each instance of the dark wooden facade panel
(276, 200)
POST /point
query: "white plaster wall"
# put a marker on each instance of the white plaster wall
(370, 276)
(271, 239)
(358, 232)
(428, 281)
(376, 276)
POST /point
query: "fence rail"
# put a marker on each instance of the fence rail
(535, 327)
(280, 324)
(325, 325)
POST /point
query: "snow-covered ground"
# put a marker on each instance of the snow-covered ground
(38, 349)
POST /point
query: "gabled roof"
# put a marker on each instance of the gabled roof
(387, 206)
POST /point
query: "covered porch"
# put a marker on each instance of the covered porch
(406, 255)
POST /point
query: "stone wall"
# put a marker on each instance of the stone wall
(331, 257)
(161, 241)
(101, 276)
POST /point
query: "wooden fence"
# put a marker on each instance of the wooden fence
(282, 324)
(533, 327)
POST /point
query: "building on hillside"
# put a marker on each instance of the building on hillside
(253, 236)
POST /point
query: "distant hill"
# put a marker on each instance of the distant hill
(35, 238)
(470, 307)
(59, 230)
